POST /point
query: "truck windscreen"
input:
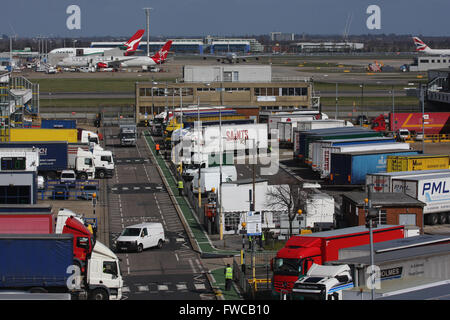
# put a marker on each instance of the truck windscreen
(287, 267)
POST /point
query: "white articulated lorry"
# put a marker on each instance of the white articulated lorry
(382, 181)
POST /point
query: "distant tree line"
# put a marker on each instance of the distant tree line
(372, 43)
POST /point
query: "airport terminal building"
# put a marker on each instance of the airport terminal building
(195, 46)
(250, 89)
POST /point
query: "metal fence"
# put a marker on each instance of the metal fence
(54, 190)
(254, 275)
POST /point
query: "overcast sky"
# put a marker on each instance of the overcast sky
(29, 18)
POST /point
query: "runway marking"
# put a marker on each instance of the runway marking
(163, 287)
(199, 286)
(143, 288)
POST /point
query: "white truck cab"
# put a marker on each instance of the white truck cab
(104, 277)
(84, 164)
(103, 162)
(323, 283)
(141, 236)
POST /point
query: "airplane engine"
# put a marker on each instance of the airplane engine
(101, 65)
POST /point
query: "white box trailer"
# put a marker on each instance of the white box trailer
(433, 190)
(323, 124)
(26, 159)
(323, 165)
(382, 181)
(273, 120)
(236, 196)
(286, 129)
(237, 137)
(210, 178)
(319, 211)
(316, 149)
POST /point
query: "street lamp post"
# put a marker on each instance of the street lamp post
(336, 114)
(147, 14)
(362, 103)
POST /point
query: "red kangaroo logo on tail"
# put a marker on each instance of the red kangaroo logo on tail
(132, 44)
(161, 55)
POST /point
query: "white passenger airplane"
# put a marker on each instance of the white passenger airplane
(100, 62)
(422, 47)
(130, 47)
(232, 57)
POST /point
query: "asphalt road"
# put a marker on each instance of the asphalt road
(136, 194)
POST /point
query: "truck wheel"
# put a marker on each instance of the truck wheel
(160, 244)
(448, 218)
(83, 176)
(140, 248)
(433, 219)
(442, 218)
(101, 174)
(99, 294)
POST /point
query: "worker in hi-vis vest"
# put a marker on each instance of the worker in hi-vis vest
(180, 188)
(228, 277)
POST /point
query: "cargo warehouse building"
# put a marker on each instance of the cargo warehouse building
(249, 89)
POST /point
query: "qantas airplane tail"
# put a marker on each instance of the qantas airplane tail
(420, 45)
(161, 55)
(131, 45)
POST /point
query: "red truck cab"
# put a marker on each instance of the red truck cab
(300, 252)
(83, 241)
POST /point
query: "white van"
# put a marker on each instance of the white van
(141, 236)
(210, 178)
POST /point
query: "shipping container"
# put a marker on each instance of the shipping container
(325, 164)
(433, 190)
(352, 168)
(58, 124)
(382, 181)
(36, 134)
(420, 162)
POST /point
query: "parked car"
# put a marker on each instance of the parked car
(141, 236)
(87, 192)
(69, 178)
(60, 191)
(403, 134)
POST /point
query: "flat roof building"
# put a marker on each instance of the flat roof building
(236, 86)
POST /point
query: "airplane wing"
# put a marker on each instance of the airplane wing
(115, 61)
